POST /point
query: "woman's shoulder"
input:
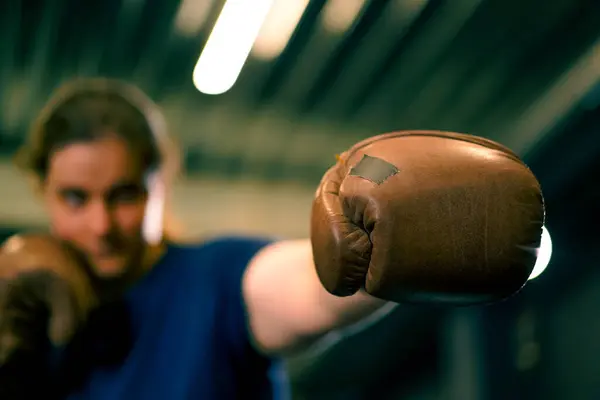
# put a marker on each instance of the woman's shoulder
(208, 268)
(221, 247)
(218, 254)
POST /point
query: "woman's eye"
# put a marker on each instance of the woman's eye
(74, 198)
(126, 195)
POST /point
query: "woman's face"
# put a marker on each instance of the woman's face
(96, 197)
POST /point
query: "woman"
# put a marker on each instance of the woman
(206, 320)
(458, 222)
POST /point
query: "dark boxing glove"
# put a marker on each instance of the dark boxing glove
(44, 296)
(427, 216)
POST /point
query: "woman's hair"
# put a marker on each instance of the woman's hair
(85, 110)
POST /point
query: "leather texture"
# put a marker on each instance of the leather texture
(427, 216)
(44, 298)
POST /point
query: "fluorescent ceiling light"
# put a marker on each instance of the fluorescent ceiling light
(229, 44)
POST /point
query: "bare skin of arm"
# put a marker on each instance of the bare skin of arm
(289, 310)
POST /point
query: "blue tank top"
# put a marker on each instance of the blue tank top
(189, 330)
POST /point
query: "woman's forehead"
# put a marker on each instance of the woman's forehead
(95, 164)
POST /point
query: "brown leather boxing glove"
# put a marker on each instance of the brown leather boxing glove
(427, 216)
(44, 297)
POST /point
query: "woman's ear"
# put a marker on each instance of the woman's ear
(153, 224)
(42, 195)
